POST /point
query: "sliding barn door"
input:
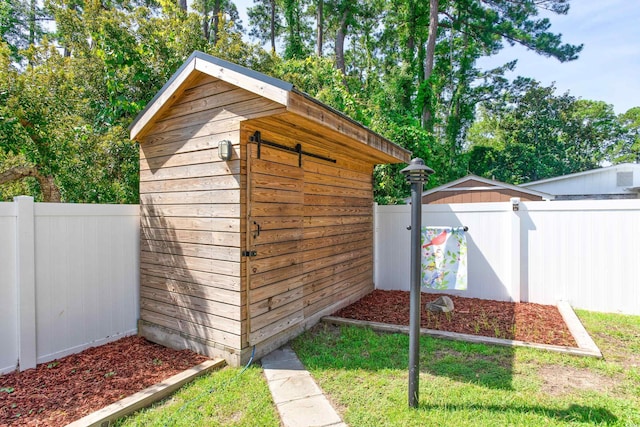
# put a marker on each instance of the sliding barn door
(275, 201)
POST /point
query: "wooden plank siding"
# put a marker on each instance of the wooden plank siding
(477, 196)
(309, 220)
(325, 260)
(191, 216)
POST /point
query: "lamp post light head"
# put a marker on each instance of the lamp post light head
(417, 171)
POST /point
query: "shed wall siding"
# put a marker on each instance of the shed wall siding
(191, 216)
(333, 262)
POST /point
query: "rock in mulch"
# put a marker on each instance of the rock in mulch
(500, 319)
(442, 304)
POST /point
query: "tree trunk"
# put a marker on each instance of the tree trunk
(340, 36)
(32, 22)
(205, 21)
(183, 5)
(50, 192)
(272, 26)
(319, 25)
(407, 88)
(216, 21)
(429, 59)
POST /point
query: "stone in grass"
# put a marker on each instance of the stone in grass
(441, 305)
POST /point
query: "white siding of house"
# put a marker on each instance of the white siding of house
(602, 181)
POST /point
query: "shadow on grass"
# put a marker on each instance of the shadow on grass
(330, 347)
(573, 413)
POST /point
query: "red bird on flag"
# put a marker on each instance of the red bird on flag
(438, 240)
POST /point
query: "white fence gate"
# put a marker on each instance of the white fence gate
(583, 252)
(69, 277)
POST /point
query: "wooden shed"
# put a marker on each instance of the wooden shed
(252, 250)
(475, 189)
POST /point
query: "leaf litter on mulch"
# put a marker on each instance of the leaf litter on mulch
(58, 392)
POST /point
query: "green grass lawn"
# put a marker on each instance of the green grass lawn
(364, 373)
(222, 398)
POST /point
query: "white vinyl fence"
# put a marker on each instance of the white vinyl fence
(584, 252)
(69, 274)
(69, 277)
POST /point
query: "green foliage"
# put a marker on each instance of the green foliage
(531, 133)
(265, 18)
(21, 24)
(627, 148)
(295, 46)
(64, 110)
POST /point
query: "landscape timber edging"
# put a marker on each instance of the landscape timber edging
(586, 346)
(103, 417)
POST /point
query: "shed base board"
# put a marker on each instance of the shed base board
(265, 347)
(178, 340)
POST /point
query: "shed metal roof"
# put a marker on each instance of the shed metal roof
(271, 88)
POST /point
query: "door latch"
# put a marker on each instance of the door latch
(249, 253)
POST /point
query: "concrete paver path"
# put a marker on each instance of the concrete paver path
(298, 398)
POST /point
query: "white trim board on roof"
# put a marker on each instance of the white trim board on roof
(275, 90)
(271, 88)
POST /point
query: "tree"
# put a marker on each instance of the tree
(213, 13)
(533, 134)
(21, 24)
(319, 27)
(627, 148)
(265, 21)
(429, 58)
(489, 24)
(297, 29)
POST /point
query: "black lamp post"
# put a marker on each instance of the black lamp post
(417, 173)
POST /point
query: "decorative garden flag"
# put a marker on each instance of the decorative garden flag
(444, 258)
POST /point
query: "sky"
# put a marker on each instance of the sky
(608, 68)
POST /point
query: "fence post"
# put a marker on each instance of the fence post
(26, 281)
(376, 241)
(515, 249)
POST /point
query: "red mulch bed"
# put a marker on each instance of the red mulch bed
(59, 392)
(516, 321)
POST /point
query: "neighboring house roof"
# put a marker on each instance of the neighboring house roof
(622, 179)
(310, 110)
(473, 183)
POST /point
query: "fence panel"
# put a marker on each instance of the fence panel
(583, 252)
(488, 240)
(8, 297)
(86, 276)
(83, 287)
